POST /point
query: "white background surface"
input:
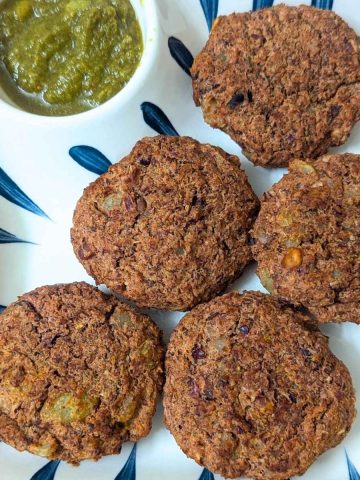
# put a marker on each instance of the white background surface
(37, 160)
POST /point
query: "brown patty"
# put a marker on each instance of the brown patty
(251, 390)
(80, 373)
(167, 227)
(308, 238)
(283, 82)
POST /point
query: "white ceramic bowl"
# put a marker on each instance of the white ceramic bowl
(146, 13)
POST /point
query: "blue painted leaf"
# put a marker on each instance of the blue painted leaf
(258, 4)
(7, 237)
(324, 4)
(47, 472)
(10, 191)
(128, 472)
(206, 475)
(157, 120)
(353, 473)
(2, 308)
(180, 54)
(90, 158)
(210, 8)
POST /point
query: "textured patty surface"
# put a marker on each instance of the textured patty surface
(283, 82)
(308, 237)
(80, 373)
(251, 390)
(167, 227)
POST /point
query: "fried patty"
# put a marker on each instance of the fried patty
(308, 238)
(283, 82)
(167, 227)
(80, 373)
(251, 390)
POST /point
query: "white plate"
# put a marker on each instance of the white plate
(35, 155)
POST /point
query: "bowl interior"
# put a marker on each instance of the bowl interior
(144, 15)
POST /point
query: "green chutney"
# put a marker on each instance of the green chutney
(59, 57)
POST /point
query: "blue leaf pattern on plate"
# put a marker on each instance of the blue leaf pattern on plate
(90, 158)
(210, 8)
(47, 472)
(180, 54)
(2, 308)
(157, 120)
(353, 473)
(10, 191)
(258, 4)
(206, 475)
(324, 4)
(7, 237)
(128, 472)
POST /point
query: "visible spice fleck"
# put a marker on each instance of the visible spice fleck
(85, 251)
(194, 388)
(236, 100)
(198, 353)
(225, 246)
(250, 240)
(334, 111)
(145, 161)
(198, 201)
(306, 352)
(290, 138)
(348, 46)
(128, 203)
(49, 342)
(208, 393)
(292, 397)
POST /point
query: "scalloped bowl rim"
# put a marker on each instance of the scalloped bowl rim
(150, 30)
